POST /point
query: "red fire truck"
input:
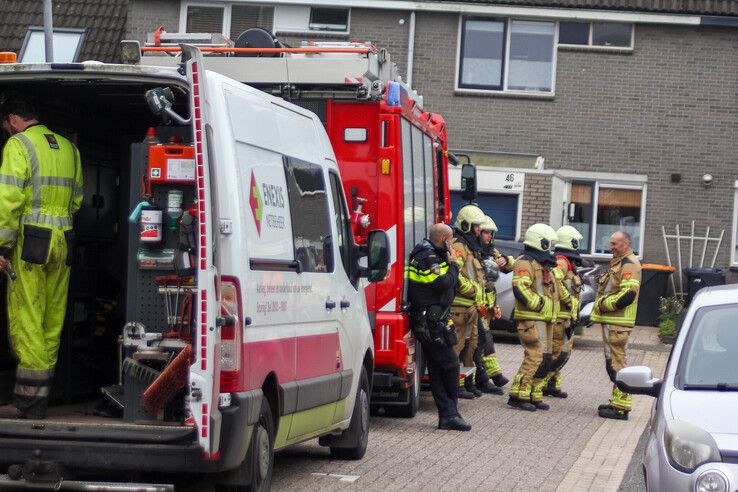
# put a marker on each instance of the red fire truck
(392, 154)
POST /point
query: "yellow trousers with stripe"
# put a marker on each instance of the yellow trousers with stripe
(37, 305)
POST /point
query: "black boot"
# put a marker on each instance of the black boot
(490, 388)
(604, 406)
(465, 395)
(454, 423)
(540, 405)
(500, 380)
(469, 386)
(613, 413)
(521, 404)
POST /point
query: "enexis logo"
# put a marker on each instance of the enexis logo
(256, 203)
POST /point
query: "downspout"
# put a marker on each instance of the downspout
(410, 49)
(48, 31)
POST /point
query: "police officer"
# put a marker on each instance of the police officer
(432, 273)
(536, 300)
(40, 189)
(486, 358)
(570, 286)
(615, 310)
(469, 291)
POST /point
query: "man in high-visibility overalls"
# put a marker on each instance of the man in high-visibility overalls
(40, 189)
(570, 287)
(615, 310)
(469, 290)
(536, 305)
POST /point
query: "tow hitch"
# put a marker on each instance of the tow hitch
(47, 475)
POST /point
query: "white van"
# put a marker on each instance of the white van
(242, 254)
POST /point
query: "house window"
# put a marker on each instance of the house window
(596, 34)
(302, 19)
(597, 210)
(228, 19)
(734, 247)
(67, 45)
(507, 55)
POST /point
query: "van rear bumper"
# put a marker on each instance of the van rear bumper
(159, 454)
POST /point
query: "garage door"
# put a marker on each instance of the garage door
(503, 209)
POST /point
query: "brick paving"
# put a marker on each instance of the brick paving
(567, 448)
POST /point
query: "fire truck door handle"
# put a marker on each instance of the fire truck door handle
(330, 303)
(345, 304)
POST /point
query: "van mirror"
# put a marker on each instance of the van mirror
(160, 101)
(469, 182)
(378, 254)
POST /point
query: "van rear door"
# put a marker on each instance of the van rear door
(205, 372)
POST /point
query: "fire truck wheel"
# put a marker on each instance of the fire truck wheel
(358, 431)
(409, 410)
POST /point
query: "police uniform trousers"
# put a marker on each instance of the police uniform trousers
(443, 377)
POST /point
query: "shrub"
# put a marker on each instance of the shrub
(669, 309)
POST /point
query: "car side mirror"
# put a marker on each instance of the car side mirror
(377, 251)
(638, 380)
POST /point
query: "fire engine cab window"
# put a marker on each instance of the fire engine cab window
(407, 186)
(310, 217)
(204, 19)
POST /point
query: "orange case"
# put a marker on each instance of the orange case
(171, 164)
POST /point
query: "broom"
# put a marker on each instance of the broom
(171, 380)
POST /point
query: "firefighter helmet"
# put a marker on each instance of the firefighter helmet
(468, 216)
(489, 224)
(568, 238)
(541, 237)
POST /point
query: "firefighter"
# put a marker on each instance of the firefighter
(40, 189)
(432, 273)
(570, 286)
(615, 309)
(486, 358)
(536, 303)
(469, 290)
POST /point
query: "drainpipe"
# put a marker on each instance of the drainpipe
(410, 49)
(48, 31)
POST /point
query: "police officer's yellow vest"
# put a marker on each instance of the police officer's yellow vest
(617, 292)
(536, 291)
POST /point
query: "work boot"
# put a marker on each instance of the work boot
(540, 405)
(465, 395)
(523, 405)
(469, 386)
(613, 413)
(555, 393)
(10, 412)
(604, 406)
(500, 380)
(490, 388)
(455, 423)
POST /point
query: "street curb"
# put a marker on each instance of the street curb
(581, 342)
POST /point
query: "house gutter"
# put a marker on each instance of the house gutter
(49, 31)
(410, 49)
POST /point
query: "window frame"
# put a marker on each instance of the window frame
(734, 227)
(227, 14)
(503, 90)
(61, 30)
(596, 47)
(307, 30)
(596, 184)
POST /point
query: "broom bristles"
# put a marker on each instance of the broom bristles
(171, 380)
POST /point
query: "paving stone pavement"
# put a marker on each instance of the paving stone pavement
(567, 448)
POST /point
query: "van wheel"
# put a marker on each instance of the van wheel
(409, 410)
(359, 427)
(262, 450)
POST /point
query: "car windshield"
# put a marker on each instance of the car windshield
(710, 357)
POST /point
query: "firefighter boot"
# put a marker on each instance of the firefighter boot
(553, 388)
(471, 387)
(521, 404)
(494, 370)
(490, 388)
(464, 394)
(613, 413)
(500, 380)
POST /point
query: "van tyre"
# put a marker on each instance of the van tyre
(261, 452)
(409, 410)
(358, 432)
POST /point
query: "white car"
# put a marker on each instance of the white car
(693, 441)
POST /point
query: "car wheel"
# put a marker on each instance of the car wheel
(358, 431)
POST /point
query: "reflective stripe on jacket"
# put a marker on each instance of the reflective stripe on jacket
(468, 289)
(536, 292)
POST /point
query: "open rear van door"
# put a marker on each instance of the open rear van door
(205, 371)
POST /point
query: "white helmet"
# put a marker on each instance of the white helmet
(568, 238)
(541, 237)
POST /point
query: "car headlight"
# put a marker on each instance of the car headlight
(711, 481)
(688, 446)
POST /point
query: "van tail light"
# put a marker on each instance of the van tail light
(231, 335)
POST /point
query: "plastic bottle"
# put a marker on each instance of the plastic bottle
(151, 137)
